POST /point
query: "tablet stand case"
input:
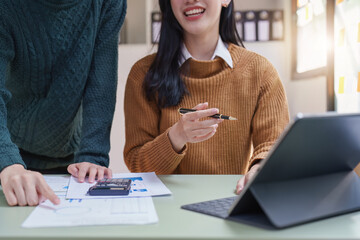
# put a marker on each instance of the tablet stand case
(307, 176)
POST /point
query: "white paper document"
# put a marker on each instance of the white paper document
(78, 212)
(142, 185)
(58, 183)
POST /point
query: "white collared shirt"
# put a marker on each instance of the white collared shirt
(221, 51)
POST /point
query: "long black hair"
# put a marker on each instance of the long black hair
(163, 78)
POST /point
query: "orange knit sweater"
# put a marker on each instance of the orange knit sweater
(251, 91)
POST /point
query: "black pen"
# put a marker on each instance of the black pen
(218, 115)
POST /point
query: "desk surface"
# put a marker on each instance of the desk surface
(175, 223)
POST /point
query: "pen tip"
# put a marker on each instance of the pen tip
(232, 118)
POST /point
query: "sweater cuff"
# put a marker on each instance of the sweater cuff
(182, 151)
(101, 161)
(257, 158)
(164, 140)
(169, 146)
(166, 151)
(10, 159)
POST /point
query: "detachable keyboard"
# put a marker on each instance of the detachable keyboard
(217, 208)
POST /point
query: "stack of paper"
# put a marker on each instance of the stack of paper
(79, 209)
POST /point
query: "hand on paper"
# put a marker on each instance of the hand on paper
(246, 178)
(81, 170)
(24, 187)
(190, 129)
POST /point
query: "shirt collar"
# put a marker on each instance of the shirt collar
(221, 51)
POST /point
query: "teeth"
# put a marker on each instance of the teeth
(194, 11)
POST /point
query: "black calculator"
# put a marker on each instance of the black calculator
(111, 187)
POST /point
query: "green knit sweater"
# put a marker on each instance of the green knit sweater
(58, 77)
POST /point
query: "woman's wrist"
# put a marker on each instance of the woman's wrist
(175, 138)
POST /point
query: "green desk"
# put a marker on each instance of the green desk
(175, 223)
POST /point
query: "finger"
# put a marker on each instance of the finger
(73, 170)
(31, 193)
(92, 173)
(192, 116)
(10, 197)
(41, 198)
(248, 177)
(240, 185)
(108, 172)
(206, 123)
(82, 172)
(17, 186)
(201, 106)
(100, 173)
(20, 195)
(44, 191)
(203, 138)
(202, 132)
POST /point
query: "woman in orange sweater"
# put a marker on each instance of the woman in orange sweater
(201, 62)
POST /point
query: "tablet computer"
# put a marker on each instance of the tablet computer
(308, 175)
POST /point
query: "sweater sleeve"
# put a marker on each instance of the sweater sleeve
(146, 148)
(9, 152)
(271, 115)
(100, 91)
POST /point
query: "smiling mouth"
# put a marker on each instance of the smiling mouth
(194, 12)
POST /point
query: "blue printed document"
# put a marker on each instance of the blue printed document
(143, 185)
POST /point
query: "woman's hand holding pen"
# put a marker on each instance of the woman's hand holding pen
(190, 129)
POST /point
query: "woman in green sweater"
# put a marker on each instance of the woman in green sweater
(58, 77)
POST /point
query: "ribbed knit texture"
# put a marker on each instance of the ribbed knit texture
(58, 77)
(251, 92)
